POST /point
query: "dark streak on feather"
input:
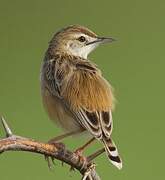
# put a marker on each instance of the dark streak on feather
(92, 117)
(115, 158)
(85, 66)
(105, 116)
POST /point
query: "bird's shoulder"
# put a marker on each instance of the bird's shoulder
(77, 63)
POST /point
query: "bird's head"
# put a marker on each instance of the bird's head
(77, 40)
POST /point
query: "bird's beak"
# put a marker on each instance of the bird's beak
(106, 39)
(102, 40)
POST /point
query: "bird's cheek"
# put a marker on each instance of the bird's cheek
(71, 46)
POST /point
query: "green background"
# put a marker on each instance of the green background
(134, 65)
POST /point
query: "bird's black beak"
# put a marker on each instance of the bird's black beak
(101, 40)
(106, 39)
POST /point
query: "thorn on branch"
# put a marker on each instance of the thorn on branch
(6, 128)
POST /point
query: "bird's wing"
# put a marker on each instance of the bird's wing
(89, 97)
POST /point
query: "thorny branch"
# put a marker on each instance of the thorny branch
(55, 151)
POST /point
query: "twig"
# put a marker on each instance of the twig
(58, 151)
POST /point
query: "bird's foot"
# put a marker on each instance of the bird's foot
(79, 153)
(50, 159)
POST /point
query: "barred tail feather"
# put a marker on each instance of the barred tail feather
(112, 153)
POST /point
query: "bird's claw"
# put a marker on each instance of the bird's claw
(50, 161)
(71, 168)
(79, 152)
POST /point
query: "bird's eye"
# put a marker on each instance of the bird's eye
(82, 39)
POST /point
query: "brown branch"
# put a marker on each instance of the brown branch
(55, 151)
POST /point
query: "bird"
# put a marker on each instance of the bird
(74, 92)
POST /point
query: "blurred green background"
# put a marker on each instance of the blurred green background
(134, 65)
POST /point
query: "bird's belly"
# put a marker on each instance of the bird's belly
(58, 113)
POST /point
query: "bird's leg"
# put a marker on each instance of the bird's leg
(95, 154)
(80, 150)
(62, 136)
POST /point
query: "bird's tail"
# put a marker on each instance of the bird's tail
(112, 152)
